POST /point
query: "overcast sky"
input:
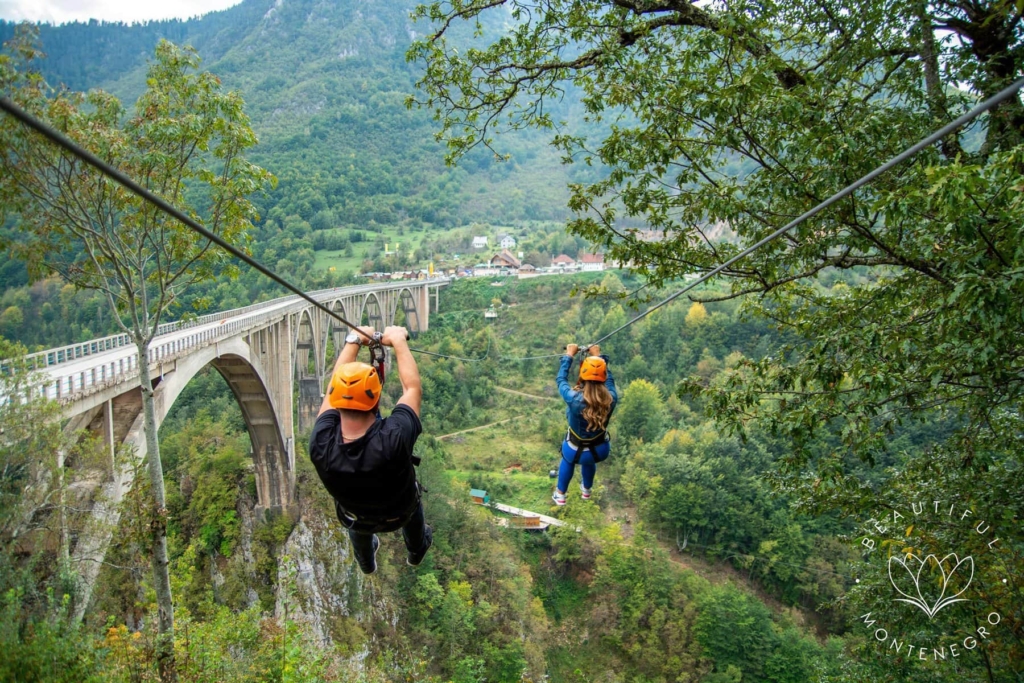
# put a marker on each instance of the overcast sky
(60, 11)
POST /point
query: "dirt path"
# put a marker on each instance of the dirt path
(473, 429)
(520, 393)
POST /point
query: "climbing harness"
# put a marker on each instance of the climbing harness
(377, 354)
(581, 445)
(377, 525)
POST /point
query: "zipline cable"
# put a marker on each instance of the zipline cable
(1004, 94)
(88, 157)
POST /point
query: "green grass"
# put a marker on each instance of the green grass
(408, 242)
(480, 458)
(336, 259)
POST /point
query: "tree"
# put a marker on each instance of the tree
(38, 641)
(697, 314)
(748, 115)
(744, 115)
(641, 411)
(186, 143)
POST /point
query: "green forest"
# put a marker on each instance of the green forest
(816, 468)
(489, 603)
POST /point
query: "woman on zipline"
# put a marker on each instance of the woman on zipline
(588, 406)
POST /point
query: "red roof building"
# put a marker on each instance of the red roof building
(591, 262)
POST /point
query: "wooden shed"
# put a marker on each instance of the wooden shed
(479, 496)
(526, 522)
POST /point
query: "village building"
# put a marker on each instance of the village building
(505, 260)
(480, 241)
(590, 263)
(507, 241)
(563, 262)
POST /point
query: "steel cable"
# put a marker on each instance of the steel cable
(1006, 93)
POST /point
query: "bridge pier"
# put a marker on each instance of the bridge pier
(310, 398)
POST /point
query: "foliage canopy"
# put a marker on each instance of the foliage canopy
(732, 119)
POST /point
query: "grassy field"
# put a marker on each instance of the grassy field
(408, 242)
(512, 460)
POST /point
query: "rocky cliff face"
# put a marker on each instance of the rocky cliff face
(320, 586)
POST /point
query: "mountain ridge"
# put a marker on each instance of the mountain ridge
(325, 85)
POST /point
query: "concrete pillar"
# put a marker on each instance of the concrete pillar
(423, 307)
(108, 436)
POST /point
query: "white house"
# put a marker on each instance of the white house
(479, 242)
(563, 262)
(591, 262)
(507, 241)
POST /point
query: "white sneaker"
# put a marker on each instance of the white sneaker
(559, 498)
(584, 491)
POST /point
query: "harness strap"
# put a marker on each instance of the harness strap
(376, 522)
(584, 444)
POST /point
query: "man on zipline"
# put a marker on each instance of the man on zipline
(366, 461)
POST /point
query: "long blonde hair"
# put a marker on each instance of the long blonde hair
(598, 402)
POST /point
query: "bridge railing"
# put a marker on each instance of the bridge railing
(116, 369)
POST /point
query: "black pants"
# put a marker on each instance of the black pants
(414, 531)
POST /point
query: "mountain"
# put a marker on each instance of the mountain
(325, 84)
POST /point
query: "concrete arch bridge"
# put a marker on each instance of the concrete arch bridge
(265, 352)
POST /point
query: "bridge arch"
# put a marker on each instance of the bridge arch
(271, 448)
(335, 332)
(307, 357)
(372, 313)
(407, 303)
(308, 367)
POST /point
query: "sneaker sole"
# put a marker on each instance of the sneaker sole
(367, 573)
(431, 543)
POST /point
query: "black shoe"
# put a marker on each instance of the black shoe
(371, 566)
(415, 558)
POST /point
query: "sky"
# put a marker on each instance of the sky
(61, 11)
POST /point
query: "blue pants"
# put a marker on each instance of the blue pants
(588, 466)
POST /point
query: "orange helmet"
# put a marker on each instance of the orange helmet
(354, 386)
(593, 369)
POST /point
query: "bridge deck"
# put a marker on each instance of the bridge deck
(68, 370)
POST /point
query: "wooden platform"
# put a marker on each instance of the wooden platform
(519, 512)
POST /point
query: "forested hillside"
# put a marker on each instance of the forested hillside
(616, 599)
(325, 84)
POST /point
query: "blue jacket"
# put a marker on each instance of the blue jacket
(574, 399)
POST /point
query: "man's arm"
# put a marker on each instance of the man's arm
(347, 355)
(408, 372)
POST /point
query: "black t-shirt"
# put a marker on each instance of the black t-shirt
(372, 476)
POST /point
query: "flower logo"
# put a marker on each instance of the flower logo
(908, 576)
